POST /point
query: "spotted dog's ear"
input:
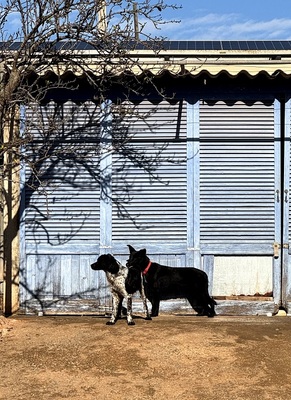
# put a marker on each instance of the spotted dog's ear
(112, 265)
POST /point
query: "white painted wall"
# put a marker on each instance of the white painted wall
(242, 275)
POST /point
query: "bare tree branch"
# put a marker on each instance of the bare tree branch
(54, 46)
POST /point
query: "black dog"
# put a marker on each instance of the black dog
(163, 283)
(116, 275)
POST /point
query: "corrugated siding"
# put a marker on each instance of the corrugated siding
(155, 202)
(66, 219)
(64, 207)
(62, 211)
(236, 173)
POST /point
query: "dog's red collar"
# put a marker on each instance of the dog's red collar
(145, 271)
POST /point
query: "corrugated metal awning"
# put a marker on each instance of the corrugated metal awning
(182, 66)
(271, 58)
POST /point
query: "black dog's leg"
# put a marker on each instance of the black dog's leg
(209, 312)
(207, 307)
(144, 301)
(155, 306)
(196, 307)
(211, 309)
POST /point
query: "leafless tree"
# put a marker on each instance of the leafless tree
(50, 46)
(63, 36)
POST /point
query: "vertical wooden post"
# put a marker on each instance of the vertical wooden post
(102, 21)
(11, 192)
(105, 187)
(2, 75)
(1, 228)
(285, 246)
(193, 199)
(135, 21)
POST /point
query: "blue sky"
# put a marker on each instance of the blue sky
(230, 20)
(221, 20)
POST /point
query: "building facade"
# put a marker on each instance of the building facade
(197, 171)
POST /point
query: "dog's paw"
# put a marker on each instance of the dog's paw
(131, 323)
(148, 318)
(110, 323)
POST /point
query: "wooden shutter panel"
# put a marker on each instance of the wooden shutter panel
(237, 176)
(156, 207)
(64, 207)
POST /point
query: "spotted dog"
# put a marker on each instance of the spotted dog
(116, 275)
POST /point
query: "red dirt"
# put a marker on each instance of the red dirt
(172, 357)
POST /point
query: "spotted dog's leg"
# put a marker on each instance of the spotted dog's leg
(144, 300)
(117, 299)
(129, 310)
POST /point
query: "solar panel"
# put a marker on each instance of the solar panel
(285, 45)
(269, 45)
(207, 45)
(226, 44)
(244, 45)
(192, 45)
(216, 45)
(183, 45)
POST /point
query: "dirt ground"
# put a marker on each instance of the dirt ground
(172, 357)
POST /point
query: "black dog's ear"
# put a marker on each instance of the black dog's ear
(131, 249)
(143, 252)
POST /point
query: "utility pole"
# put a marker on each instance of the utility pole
(135, 21)
(102, 21)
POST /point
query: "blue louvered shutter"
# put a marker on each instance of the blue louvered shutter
(60, 222)
(153, 187)
(62, 201)
(237, 179)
